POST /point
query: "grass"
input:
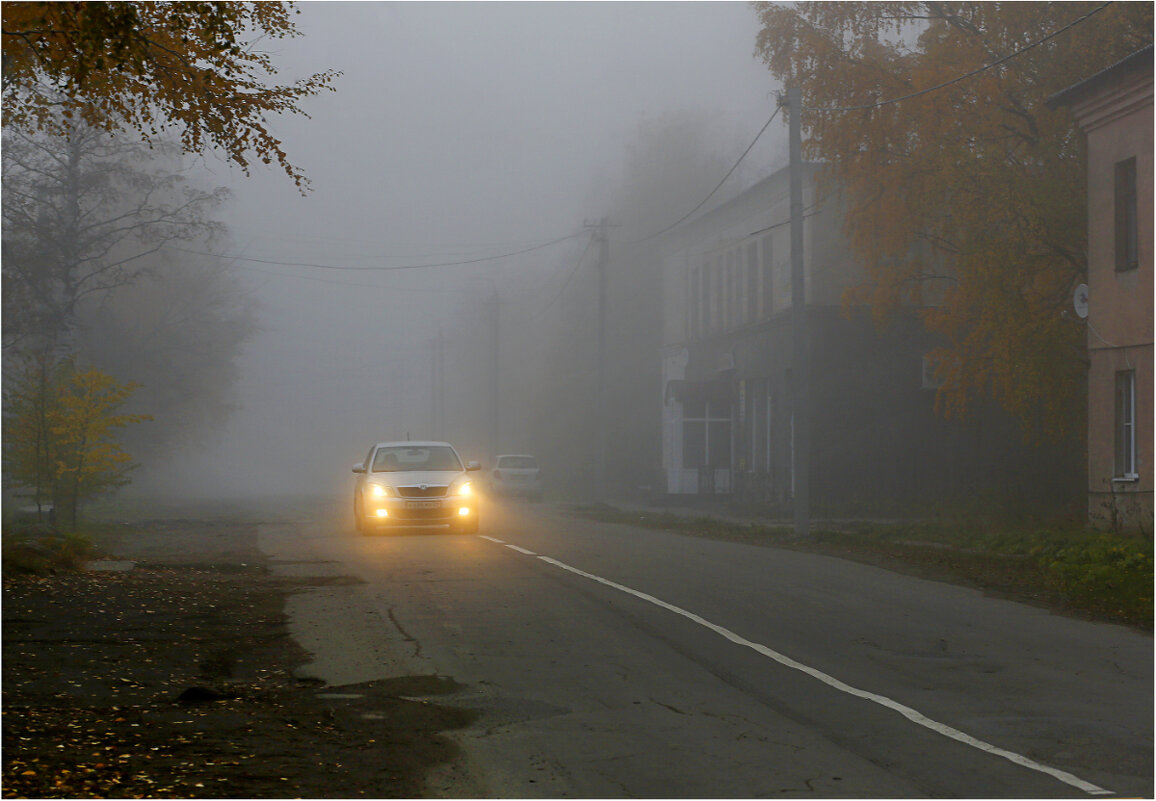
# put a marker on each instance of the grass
(38, 547)
(36, 550)
(1068, 568)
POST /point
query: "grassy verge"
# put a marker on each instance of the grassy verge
(1069, 569)
(36, 548)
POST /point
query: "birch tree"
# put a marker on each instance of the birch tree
(965, 193)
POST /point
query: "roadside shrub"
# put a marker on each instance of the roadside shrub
(39, 549)
(1107, 573)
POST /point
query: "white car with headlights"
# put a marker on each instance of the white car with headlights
(415, 485)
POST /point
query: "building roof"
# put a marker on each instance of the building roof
(1138, 62)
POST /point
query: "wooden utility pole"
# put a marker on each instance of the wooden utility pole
(801, 368)
(601, 229)
(438, 388)
(603, 262)
(495, 414)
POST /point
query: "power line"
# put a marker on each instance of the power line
(785, 222)
(360, 284)
(703, 202)
(566, 283)
(318, 266)
(973, 73)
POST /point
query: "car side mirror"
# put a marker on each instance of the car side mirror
(475, 465)
(359, 468)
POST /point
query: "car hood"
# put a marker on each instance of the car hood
(411, 479)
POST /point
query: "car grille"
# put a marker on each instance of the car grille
(419, 492)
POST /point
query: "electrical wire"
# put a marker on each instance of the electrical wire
(718, 186)
(566, 283)
(1079, 20)
(965, 76)
(391, 268)
(337, 282)
(785, 222)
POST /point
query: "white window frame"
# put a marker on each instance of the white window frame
(706, 421)
(1125, 468)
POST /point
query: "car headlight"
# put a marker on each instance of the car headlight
(464, 489)
(381, 491)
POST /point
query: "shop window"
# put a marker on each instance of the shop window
(706, 434)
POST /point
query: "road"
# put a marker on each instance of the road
(609, 661)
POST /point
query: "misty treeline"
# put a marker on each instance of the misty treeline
(119, 336)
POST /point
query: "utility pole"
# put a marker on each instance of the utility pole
(603, 261)
(801, 369)
(495, 414)
(438, 406)
(442, 394)
(433, 388)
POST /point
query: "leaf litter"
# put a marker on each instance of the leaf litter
(176, 680)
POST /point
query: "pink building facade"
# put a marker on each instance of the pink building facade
(1114, 110)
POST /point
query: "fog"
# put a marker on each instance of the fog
(457, 132)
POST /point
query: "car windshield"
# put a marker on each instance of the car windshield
(518, 462)
(426, 457)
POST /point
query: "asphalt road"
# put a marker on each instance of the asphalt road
(609, 661)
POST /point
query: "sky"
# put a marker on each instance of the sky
(457, 131)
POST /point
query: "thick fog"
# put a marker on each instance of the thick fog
(457, 132)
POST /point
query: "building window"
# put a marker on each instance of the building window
(768, 276)
(752, 298)
(1127, 219)
(694, 304)
(734, 280)
(712, 296)
(729, 311)
(1126, 425)
(706, 434)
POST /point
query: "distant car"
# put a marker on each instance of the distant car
(415, 485)
(516, 474)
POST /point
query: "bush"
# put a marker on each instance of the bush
(1107, 573)
(40, 549)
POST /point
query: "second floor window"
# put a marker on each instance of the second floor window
(1127, 218)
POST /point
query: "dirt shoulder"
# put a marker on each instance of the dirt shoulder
(176, 678)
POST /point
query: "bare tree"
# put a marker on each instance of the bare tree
(82, 215)
(176, 332)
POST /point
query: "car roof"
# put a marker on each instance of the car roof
(416, 443)
(504, 455)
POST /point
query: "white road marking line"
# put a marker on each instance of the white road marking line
(911, 714)
(508, 545)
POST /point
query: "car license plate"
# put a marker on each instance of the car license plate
(423, 504)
